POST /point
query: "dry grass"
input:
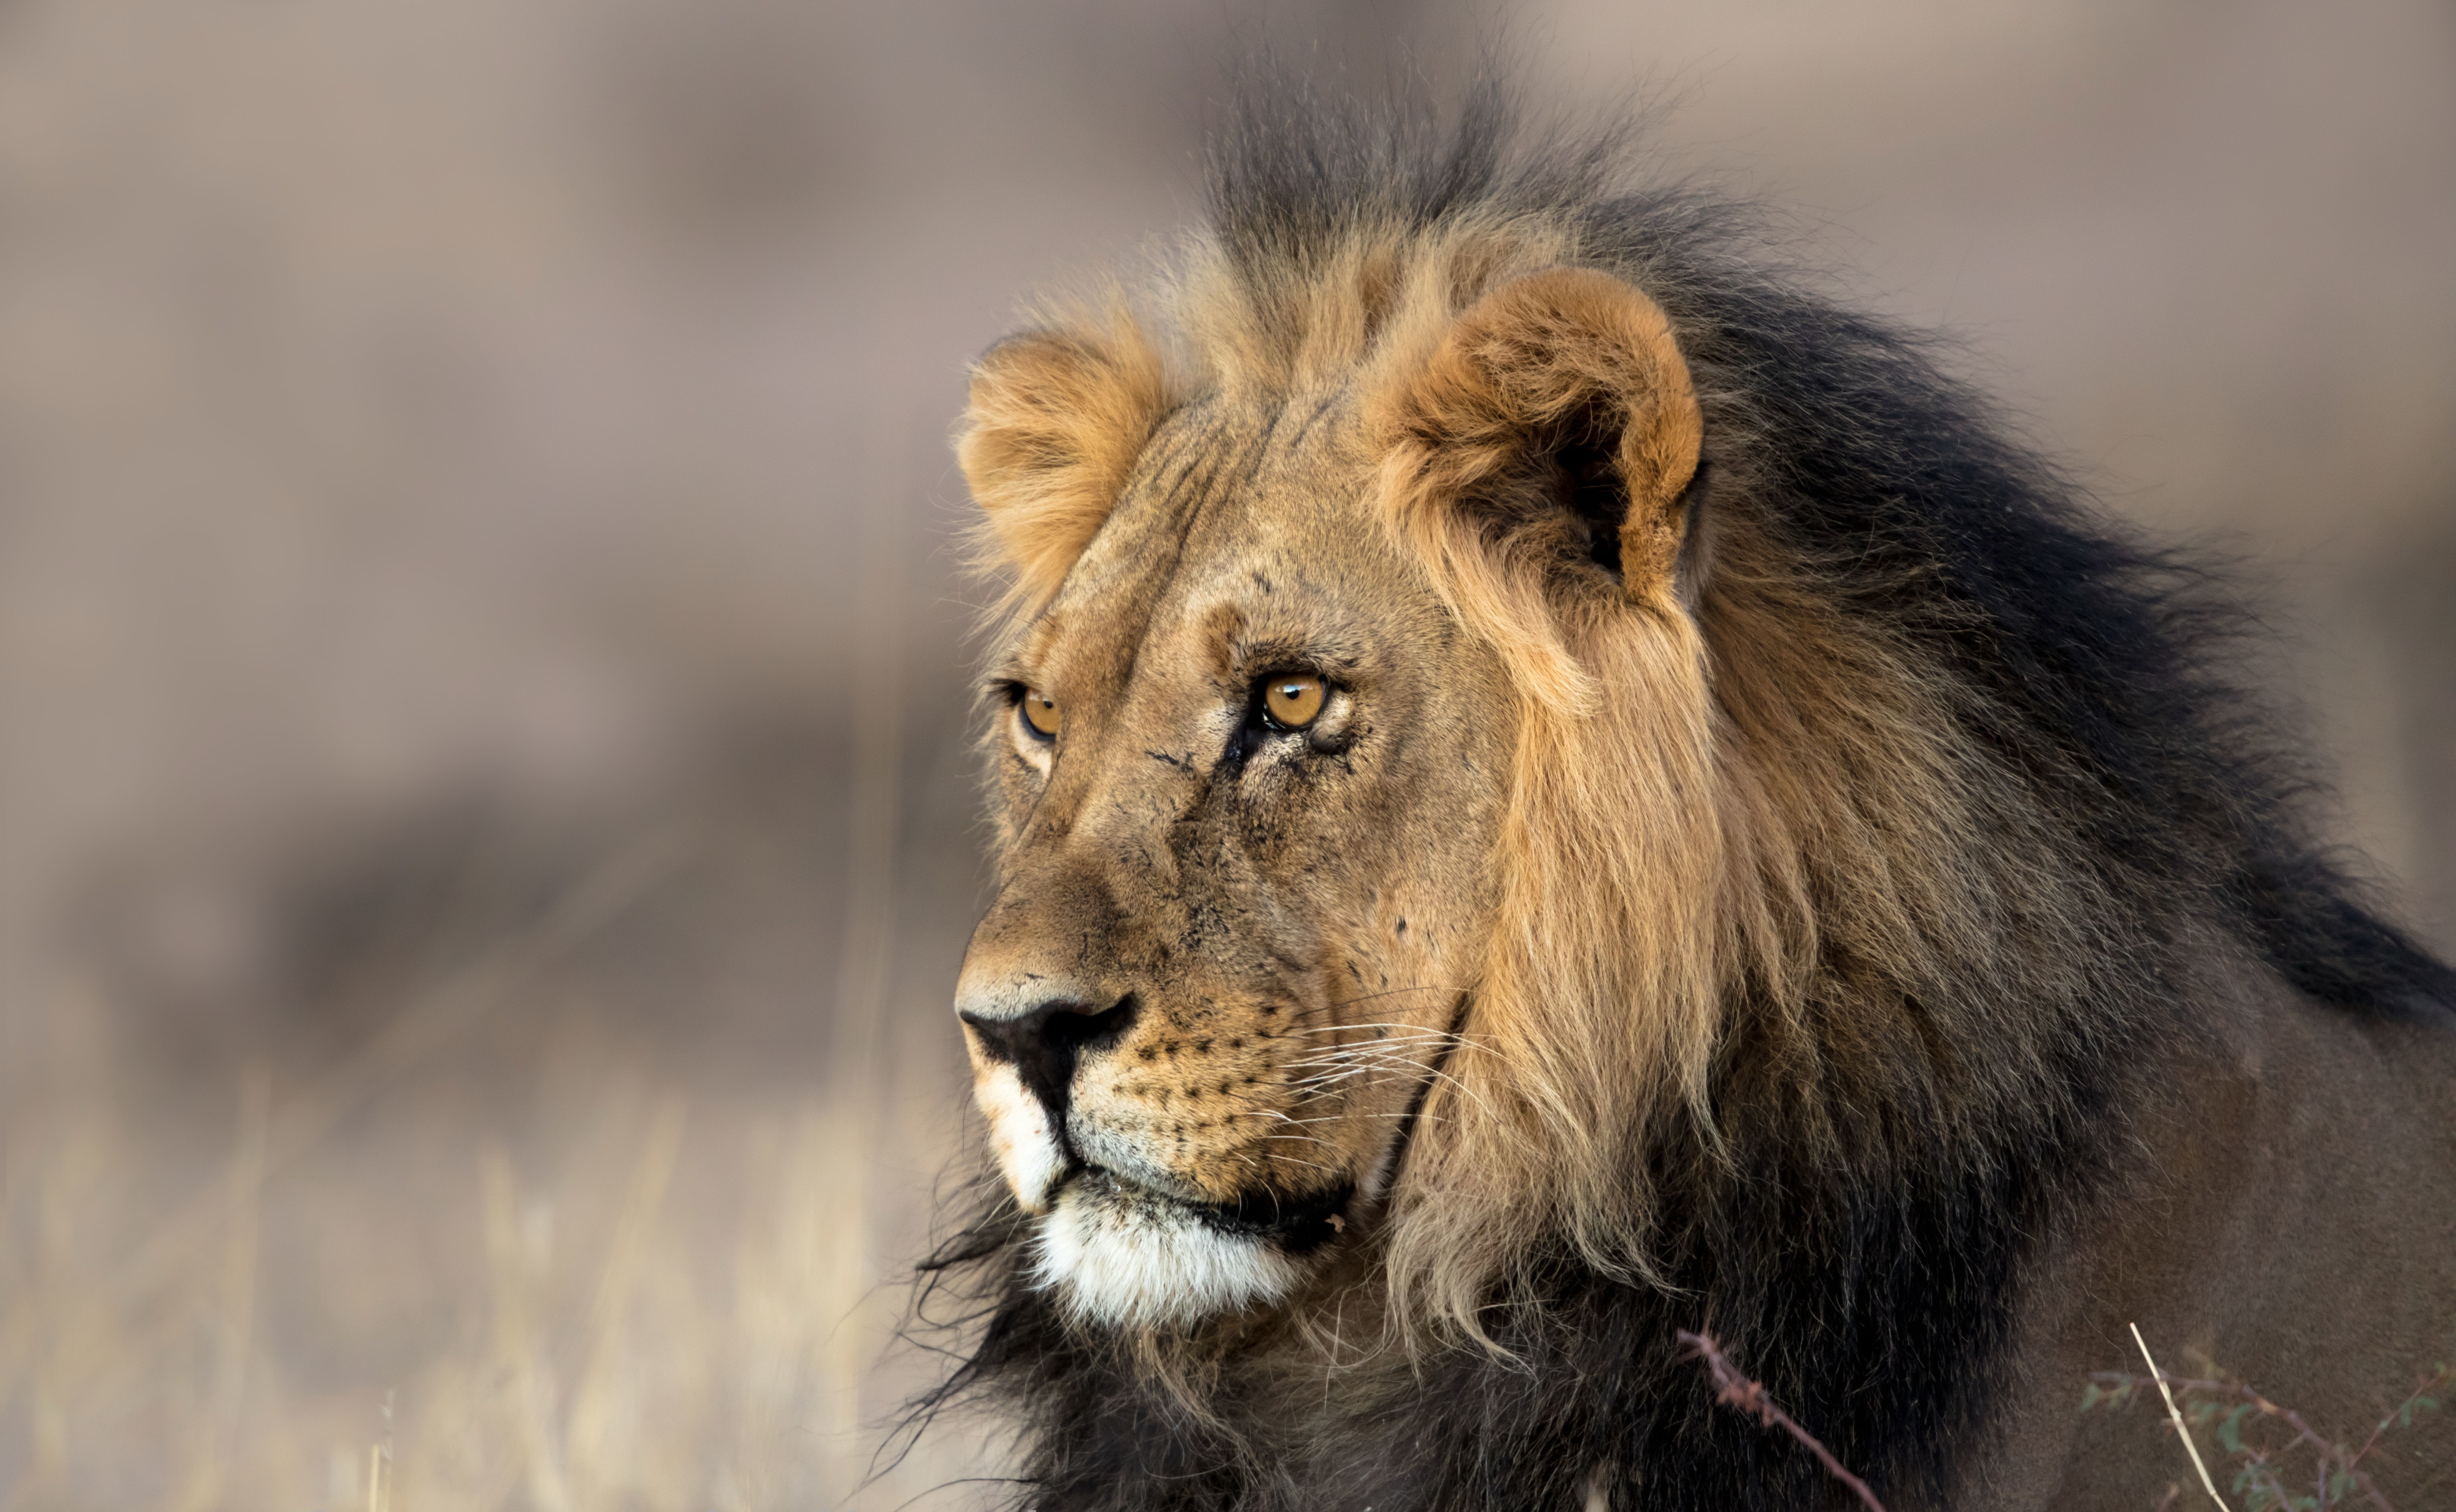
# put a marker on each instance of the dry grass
(493, 1257)
(608, 1351)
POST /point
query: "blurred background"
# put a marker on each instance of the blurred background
(486, 827)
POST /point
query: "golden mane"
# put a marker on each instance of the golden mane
(1708, 799)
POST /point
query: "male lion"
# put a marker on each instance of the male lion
(1555, 788)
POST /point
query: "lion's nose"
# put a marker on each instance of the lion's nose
(1044, 1042)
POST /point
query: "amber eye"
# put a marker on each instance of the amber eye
(1292, 701)
(1040, 713)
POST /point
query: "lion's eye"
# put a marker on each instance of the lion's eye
(1294, 701)
(1040, 714)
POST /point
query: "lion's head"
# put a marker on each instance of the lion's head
(1374, 748)
(1271, 817)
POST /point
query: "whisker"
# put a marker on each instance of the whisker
(1333, 1028)
(1370, 1046)
(1395, 992)
(1310, 1165)
(1361, 1064)
(1343, 1117)
(1391, 1055)
(1358, 1055)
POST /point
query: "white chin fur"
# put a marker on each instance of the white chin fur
(1130, 1259)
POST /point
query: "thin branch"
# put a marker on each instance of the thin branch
(1736, 1390)
(2446, 1372)
(2175, 1412)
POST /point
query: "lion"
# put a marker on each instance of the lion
(1552, 786)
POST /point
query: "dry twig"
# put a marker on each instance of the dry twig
(1734, 1389)
(2174, 1414)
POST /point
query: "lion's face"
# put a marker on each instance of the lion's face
(1246, 877)
(1264, 816)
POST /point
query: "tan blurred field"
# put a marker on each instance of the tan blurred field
(488, 823)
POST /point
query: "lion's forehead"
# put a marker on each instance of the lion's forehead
(1243, 520)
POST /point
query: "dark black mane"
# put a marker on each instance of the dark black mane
(1873, 1301)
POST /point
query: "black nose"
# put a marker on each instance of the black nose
(1044, 1044)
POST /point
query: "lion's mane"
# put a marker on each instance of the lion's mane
(1839, 940)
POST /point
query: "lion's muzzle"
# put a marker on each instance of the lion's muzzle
(1068, 1079)
(1046, 1040)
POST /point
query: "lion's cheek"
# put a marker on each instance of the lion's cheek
(1021, 1137)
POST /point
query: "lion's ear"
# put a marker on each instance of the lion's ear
(1055, 422)
(1554, 422)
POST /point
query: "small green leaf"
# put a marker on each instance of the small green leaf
(2091, 1395)
(2230, 1430)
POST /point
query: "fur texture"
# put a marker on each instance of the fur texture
(1055, 421)
(1831, 856)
